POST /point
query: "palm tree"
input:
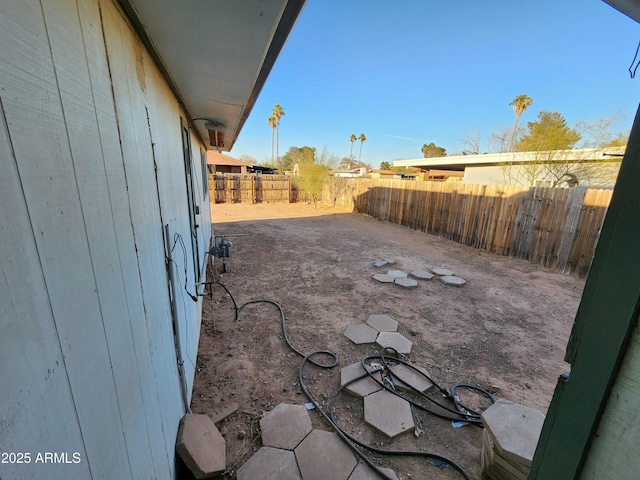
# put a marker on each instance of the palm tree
(352, 139)
(519, 104)
(277, 113)
(362, 138)
(271, 121)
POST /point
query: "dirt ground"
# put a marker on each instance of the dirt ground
(505, 330)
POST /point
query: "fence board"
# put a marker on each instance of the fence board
(236, 188)
(557, 228)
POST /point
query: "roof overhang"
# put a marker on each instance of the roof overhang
(630, 8)
(216, 55)
(460, 162)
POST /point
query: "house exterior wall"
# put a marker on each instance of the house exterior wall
(93, 171)
(605, 177)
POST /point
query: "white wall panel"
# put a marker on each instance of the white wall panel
(112, 163)
(32, 368)
(76, 90)
(88, 362)
(128, 63)
(38, 133)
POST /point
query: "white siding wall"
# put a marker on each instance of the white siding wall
(87, 357)
(602, 177)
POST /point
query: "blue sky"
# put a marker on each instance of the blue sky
(412, 72)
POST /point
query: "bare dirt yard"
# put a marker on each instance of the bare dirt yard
(505, 330)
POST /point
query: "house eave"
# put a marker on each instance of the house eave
(215, 56)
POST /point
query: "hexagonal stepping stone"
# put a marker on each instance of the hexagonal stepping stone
(397, 274)
(380, 263)
(324, 455)
(453, 280)
(201, 446)
(388, 413)
(270, 464)
(514, 429)
(383, 278)
(421, 275)
(441, 271)
(395, 340)
(406, 376)
(362, 387)
(285, 426)
(390, 261)
(382, 323)
(406, 282)
(361, 333)
(365, 472)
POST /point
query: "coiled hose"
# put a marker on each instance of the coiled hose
(459, 412)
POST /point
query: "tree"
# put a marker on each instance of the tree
(352, 139)
(345, 163)
(433, 151)
(551, 158)
(471, 144)
(362, 138)
(271, 121)
(499, 141)
(549, 132)
(620, 140)
(299, 155)
(277, 113)
(519, 104)
(313, 174)
(385, 165)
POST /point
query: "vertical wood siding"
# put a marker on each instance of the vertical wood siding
(91, 149)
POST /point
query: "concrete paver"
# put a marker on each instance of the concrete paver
(365, 472)
(224, 412)
(285, 426)
(324, 455)
(407, 376)
(395, 340)
(453, 280)
(441, 271)
(270, 464)
(380, 263)
(421, 275)
(397, 274)
(406, 282)
(388, 413)
(201, 446)
(515, 430)
(383, 278)
(362, 387)
(382, 323)
(361, 333)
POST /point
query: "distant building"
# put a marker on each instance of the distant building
(385, 174)
(594, 167)
(350, 173)
(219, 163)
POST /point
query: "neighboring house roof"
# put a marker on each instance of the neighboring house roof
(216, 158)
(459, 162)
(216, 56)
(346, 173)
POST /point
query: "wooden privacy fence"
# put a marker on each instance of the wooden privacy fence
(554, 227)
(236, 188)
